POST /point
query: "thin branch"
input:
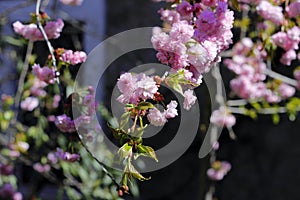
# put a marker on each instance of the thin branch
(41, 28)
(281, 77)
(50, 48)
(219, 92)
(264, 111)
(22, 80)
(238, 102)
(103, 166)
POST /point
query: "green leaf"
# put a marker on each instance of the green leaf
(124, 125)
(147, 151)
(124, 179)
(175, 85)
(125, 151)
(251, 113)
(276, 118)
(235, 5)
(38, 134)
(256, 105)
(133, 172)
(292, 108)
(144, 105)
(117, 133)
(138, 132)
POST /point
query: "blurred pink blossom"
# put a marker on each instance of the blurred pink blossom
(222, 117)
(30, 103)
(270, 12)
(41, 168)
(65, 124)
(73, 58)
(286, 91)
(218, 170)
(44, 74)
(32, 33)
(288, 57)
(293, 9)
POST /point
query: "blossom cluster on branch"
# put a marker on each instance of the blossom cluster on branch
(195, 35)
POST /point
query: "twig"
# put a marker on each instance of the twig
(238, 102)
(281, 77)
(21, 80)
(219, 93)
(41, 28)
(103, 166)
(265, 111)
(50, 48)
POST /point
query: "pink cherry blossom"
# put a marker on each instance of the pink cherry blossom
(199, 58)
(32, 33)
(41, 168)
(146, 86)
(287, 40)
(73, 58)
(169, 16)
(297, 74)
(181, 31)
(286, 91)
(136, 87)
(189, 99)
(185, 9)
(288, 57)
(66, 156)
(30, 103)
(243, 47)
(37, 89)
(218, 170)
(222, 117)
(156, 117)
(171, 111)
(65, 124)
(293, 9)
(270, 12)
(44, 74)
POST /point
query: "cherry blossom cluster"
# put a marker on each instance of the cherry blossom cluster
(54, 157)
(68, 125)
(136, 88)
(71, 57)
(289, 41)
(198, 33)
(222, 118)
(31, 31)
(158, 118)
(218, 170)
(248, 63)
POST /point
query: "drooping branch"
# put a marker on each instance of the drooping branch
(22, 80)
